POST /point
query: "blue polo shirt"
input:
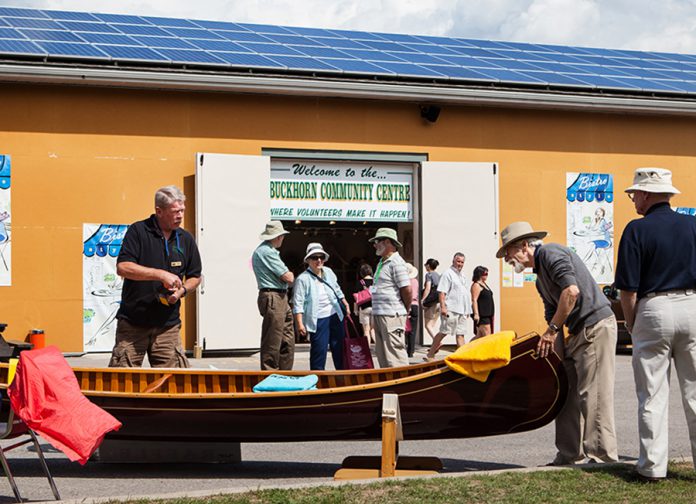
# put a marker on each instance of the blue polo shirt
(658, 252)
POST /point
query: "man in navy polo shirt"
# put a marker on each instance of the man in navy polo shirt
(656, 273)
(160, 264)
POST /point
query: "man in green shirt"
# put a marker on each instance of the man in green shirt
(273, 279)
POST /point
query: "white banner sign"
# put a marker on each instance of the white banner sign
(101, 285)
(5, 218)
(346, 191)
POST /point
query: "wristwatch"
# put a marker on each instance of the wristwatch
(554, 328)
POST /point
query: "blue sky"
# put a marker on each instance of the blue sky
(665, 25)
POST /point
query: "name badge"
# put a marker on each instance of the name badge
(175, 264)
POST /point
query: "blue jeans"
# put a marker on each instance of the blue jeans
(330, 332)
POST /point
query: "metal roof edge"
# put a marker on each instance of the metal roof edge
(279, 85)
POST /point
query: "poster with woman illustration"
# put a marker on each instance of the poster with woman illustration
(5, 227)
(590, 222)
(101, 244)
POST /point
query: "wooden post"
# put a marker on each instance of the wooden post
(392, 433)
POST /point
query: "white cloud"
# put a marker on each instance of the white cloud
(668, 25)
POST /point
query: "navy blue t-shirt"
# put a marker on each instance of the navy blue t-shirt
(658, 252)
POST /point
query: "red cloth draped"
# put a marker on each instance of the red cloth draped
(46, 396)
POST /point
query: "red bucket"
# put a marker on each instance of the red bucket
(37, 338)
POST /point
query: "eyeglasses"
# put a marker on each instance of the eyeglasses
(316, 258)
(631, 196)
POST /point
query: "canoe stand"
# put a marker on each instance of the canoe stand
(390, 464)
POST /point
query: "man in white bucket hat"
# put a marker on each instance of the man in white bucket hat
(585, 425)
(656, 272)
(273, 279)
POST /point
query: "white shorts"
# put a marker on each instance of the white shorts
(365, 315)
(454, 324)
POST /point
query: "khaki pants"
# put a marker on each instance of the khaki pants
(390, 345)
(585, 425)
(163, 346)
(664, 329)
(277, 331)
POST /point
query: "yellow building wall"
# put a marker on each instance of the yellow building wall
(87, 155)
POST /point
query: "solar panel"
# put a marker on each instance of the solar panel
(409, 69)
(170, 22)
(263, 28)
(551, 66)
(218, 45)
(31, 13)
(510, 64)
(121, 18)
(141, 30)
(642, 73)
(130, 53)
(242, 36)
(3, 23)
(197, 33)
(166, 42)
(607, 83)
(292, 39)
(276, 49)
(70, 16)
(468, 61)
(186, 56)
(645, 84)
(21, 47)
(510, 76)
(371, 55)
(430, 49)
(311, 32)
(81, 26)
(444, 41)
(219, 25)
(247, 60)
(302, 63)
(108, 38)
(45, 24)
(555, 79)
(357, 66)
(340, 43)
(71, 49)
(387, 46)
(59, 36)
(474, 51)
(455, 72)
(488, 44)
(321, 52)
(9, 33)
(420, 58)
(355, 35)
(398, 37)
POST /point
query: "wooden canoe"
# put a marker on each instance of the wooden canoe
(436, 402)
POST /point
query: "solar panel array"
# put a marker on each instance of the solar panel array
(116, 38)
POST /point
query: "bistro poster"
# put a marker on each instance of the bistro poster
(346, 191)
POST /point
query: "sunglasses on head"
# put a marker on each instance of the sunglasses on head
(316, 258)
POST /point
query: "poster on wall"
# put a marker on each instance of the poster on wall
(590, 222)
(101, 244)
(347, 191)
(5, 218)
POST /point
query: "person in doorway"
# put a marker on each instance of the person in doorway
(482, 303)
(364, 311)
(160, 264)
(430, 298)
(412, 326)
(319, 307)
(656, 272)
(391, 300)
(585, 425)
(455, 305)
(273, 279)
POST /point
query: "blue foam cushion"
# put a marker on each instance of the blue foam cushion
(283, 383)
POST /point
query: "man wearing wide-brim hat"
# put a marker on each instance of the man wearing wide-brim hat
(391, 300)
(572, 298)
(273, 278)
(656, 272)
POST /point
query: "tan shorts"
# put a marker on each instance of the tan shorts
(454, 324)
(365, 316)
(163, 346)
(432, 312)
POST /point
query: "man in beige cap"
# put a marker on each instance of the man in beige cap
(391, 300)
(585, 425)
(273, 279)
(656, 273)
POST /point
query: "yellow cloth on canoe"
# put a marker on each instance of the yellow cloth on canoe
(479, 357)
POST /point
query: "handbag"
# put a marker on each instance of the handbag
(362, 297)
(432, 298)
(356, 348)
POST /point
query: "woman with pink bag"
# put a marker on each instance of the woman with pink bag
(362, 306)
